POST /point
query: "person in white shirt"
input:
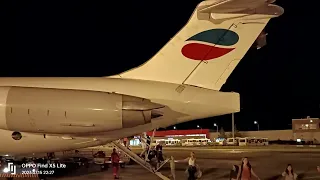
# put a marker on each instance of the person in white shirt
(288, 174)
(173, 168)
(192, 169)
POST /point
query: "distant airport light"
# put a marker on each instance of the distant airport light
(216, 125)
(198, 126)
(174, 127)
(256, 122)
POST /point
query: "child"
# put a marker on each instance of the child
(234, 172)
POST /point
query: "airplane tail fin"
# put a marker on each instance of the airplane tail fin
(209, 47)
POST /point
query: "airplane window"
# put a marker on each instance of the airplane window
(16, 135)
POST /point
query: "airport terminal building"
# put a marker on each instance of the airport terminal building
(174, 135)
(307, 129)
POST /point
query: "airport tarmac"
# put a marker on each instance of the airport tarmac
(216, 165)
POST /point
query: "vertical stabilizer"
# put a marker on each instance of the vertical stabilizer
(209, 47)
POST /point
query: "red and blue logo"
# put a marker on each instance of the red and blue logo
(210, 44)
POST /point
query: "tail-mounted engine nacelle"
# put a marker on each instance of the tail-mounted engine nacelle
(61, 111)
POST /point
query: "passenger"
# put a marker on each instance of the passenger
(246, 170)
(234, 172)
(318, 169)
(192, 169)
(152, 154)
(145, 146)
(159, 154)
(115, 160)
(173, 168)
(148, 143)
(152, 157)
(159, 147)
(125, 142)
(288, 174)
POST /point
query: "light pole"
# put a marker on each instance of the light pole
(256, 122)
(216, 125)
(233, 126)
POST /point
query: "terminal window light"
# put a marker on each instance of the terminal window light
(305, 126)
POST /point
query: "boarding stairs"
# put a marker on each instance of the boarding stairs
(142, 162)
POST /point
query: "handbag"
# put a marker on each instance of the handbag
(198, 174)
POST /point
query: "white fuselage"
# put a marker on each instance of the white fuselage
(182, 104)
(183, 80)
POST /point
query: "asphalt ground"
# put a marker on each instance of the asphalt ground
(216, 164)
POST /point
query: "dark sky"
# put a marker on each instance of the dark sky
(100, 38)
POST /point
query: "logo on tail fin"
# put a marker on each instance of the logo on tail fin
(218, 42)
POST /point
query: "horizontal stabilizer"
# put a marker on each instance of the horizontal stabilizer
(231, 6)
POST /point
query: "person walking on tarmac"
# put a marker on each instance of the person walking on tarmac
(159, 147)
(246, 170)
(234, 172)
(115, 159)
(288, 173)
(192, 169)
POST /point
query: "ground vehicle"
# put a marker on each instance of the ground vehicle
(104, 161)
(195, 142)
(81, 161)
(158, 141)
(171, 142)
(263, 141)
(76, 162)
(243, 142)
(233, 141)
(249, 141)
(101, 159)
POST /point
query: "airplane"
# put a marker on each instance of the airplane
(178, 84)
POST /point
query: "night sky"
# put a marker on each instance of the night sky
(100, 38)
